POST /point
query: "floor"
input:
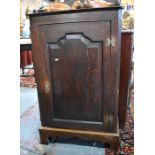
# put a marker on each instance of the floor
(28, 97)
(29, 136)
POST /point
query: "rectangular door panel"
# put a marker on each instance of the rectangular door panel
(75, 61)
(77, 78)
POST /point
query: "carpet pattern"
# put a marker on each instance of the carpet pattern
(127, 134)
(126, 138)
(28, 81)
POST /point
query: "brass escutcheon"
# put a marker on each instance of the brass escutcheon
(46, 88)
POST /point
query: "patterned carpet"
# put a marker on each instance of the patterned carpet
(28, 81)
(126, 135)
(126, 138)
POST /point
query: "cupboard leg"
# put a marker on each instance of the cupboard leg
(115, 147)
(43, 138)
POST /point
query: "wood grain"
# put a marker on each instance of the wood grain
(77, 72)
(125, 75)
(103, 137)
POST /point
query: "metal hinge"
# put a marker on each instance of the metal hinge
(110, 43)
(108, 119)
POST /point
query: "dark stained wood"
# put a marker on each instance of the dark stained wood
(125, 69)
(80, 87)
(80, 63)
(77, 71)
(126, 50)
(104, 137)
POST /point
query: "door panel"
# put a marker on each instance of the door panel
(75, 66)
(77, 78)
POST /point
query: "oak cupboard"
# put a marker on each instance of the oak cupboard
(76, 57)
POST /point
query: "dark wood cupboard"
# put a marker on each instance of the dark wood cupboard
(125, 75)
(76, 57)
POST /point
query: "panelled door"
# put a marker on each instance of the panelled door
(75, 62)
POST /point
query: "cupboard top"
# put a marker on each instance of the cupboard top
(75, 11)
